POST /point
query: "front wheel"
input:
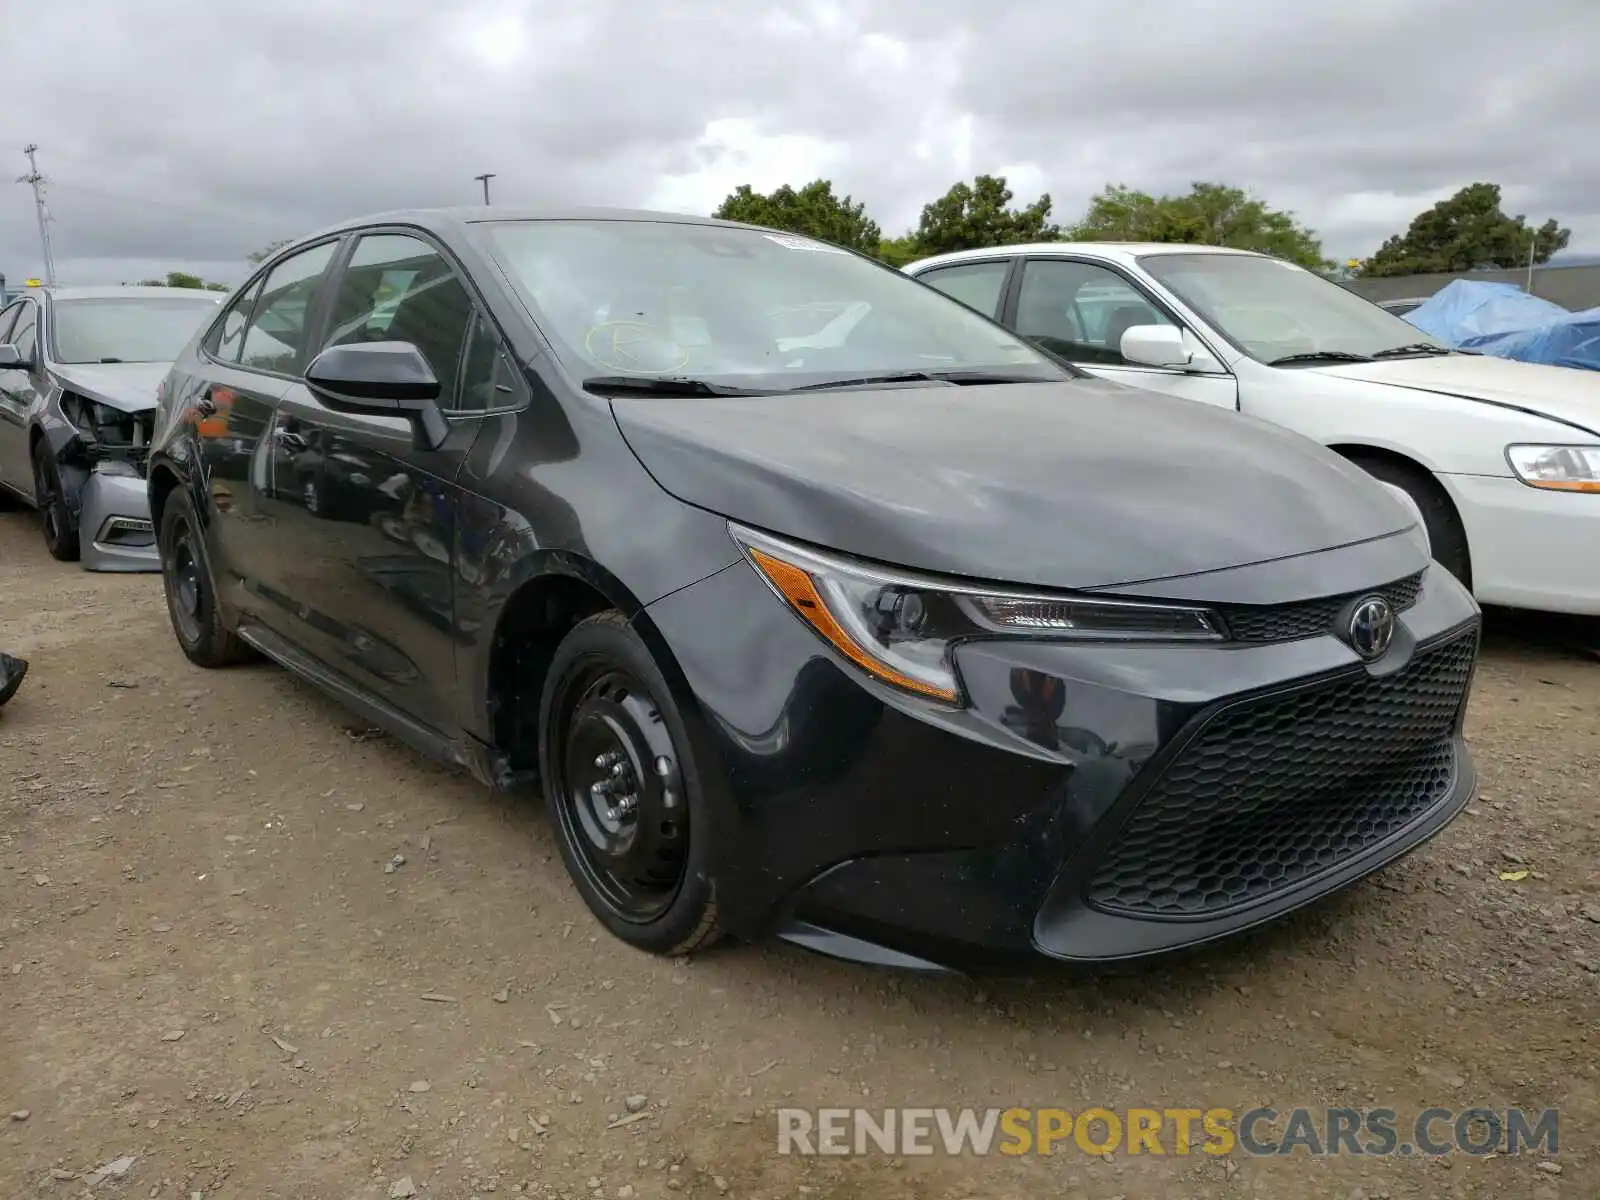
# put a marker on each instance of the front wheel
(57, 521)
(622, 790)
(1446, 536)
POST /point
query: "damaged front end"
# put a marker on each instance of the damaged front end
(109, 446)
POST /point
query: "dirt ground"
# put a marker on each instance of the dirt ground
(206, 967)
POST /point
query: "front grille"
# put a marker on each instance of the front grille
(1310, 618)
(1273, 791)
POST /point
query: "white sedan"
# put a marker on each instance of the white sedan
(1501, 458)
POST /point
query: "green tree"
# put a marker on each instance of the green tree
(182, 279)
(900, 251)
(813, 211)
(1466, 231)
(971, 216)
(1210, 214)
(267, 251)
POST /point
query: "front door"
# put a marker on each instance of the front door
(1079, 311)
(374, 516)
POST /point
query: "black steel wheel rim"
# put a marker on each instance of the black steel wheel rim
(619, 791)
(185, 587)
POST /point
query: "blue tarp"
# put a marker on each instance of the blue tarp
(1503, 320)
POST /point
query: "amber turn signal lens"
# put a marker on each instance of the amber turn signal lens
(800, 590)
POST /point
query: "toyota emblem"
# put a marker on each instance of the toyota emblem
(1371, 627)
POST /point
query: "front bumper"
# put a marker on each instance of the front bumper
(1156, 798)
(114, 528)
(1531, 548)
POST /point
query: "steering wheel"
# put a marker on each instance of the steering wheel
(634, 347)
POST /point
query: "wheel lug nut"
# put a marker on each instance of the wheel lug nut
(616, 770)
(663, 766)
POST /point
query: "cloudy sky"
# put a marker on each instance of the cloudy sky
(186, 133)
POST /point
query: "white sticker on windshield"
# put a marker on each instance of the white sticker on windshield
(800, 243)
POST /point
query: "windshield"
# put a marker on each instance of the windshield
(131, 329)
(663, 300)
(1272, 309)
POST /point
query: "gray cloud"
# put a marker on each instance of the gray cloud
(183, 134)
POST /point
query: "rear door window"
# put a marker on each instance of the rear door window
(977, 285)
(275, 338)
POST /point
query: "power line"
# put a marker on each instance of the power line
(37, 181)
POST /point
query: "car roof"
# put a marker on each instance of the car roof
(1113, 251)
(118, 292)
(438, 220)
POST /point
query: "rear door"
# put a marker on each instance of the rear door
(375, 517)
(1079, 310)
(248, 361)
(19, 394)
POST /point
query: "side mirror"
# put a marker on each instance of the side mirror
(1155, 346)
(11, 360)
(381, 379)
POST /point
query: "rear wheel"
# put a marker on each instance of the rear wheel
(191, 589)
(623, 792)
(1439, 516)
(57, 521)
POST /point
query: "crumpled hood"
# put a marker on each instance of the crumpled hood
(129, 387)
(1564, 393)
(1066, 485)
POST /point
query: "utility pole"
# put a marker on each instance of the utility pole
(484, 179)
(37, 181)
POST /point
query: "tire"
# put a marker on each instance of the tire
(606, 716)
(191, 589)
(1439, 516)
(57, 521)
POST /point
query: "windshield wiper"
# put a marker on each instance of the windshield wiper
(656, 385)
(957, 378)
(1319, 356)
(110, 360)
(1413, 348)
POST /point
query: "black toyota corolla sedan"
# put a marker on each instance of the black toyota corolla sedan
(815, 604)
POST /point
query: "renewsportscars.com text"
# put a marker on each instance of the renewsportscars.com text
(1165, 1131)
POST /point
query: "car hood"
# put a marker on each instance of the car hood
(130, 387)
(1564, 393)
(1086, 484)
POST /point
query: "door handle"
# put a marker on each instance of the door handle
(205, 405)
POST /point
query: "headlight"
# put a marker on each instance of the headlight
(1558, 468)
(902, 628)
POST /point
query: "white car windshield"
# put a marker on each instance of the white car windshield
(1274, 310)
(741, 307)
(135, 329)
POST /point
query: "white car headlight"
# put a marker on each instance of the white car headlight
(1557, 468)
(902, 629)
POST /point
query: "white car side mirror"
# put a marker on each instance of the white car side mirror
(1155, 346)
